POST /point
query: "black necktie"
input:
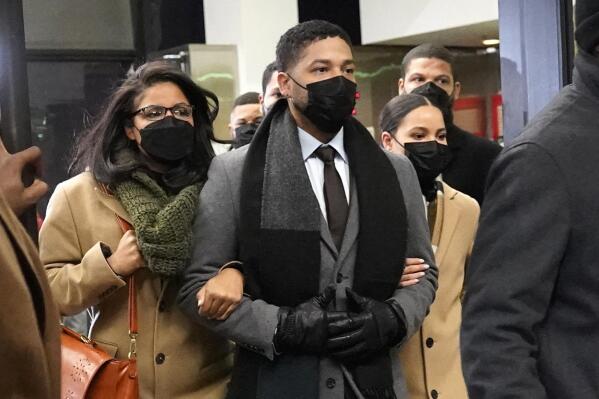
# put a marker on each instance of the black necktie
(334, 195)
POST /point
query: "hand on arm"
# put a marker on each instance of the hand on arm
(221, 295)
(415, 269)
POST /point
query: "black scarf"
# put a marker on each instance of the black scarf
(280, 234)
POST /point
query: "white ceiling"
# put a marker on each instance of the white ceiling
(463, 36)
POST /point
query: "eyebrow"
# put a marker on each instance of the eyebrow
(328, 62)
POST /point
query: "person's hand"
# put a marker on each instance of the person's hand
(127, 258)
(221, 295)
(303, 329)
(19, 197)
(415, 269)
(376, 326)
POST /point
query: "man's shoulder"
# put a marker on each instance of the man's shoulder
(473, 141)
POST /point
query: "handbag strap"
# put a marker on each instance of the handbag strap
(126, 226)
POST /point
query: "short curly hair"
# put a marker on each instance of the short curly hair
(296, 39)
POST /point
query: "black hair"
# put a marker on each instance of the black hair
(267, 75)
(427, 50)
(296, 39)
(100, 146)
(397, 109)
(251, 97)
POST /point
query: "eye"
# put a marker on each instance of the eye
(153, 111)
(321, 69)
(182, 111)
(443, 81)
(350, 70)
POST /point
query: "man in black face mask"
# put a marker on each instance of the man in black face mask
(246, 115)
(320, 220)
(428, 70)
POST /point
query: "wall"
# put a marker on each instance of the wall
(255, 27)
(383, 20)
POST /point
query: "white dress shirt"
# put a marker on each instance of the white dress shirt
(315, 167)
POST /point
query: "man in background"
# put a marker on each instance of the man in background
(429, 70)
(270, 87)
(246, 115)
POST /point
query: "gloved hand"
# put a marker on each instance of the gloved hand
(376, 326)
(303, 329)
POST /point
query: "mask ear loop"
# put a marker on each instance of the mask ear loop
(397, 141)
(295, 81)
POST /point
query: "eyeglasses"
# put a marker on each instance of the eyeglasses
(158, 112)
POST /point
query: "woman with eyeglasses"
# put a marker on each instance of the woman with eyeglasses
(430, 359)
(144, 161)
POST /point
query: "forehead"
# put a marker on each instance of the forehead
(426, 116)
(333, 49)
(429, 66)
(246, 110)
(166, 94)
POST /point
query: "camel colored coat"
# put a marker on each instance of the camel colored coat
(431, 358)
(176, 358)
(29, 321)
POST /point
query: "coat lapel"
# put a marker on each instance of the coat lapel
(451, 215)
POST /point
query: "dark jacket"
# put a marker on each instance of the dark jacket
(530, 318)
(472, 158)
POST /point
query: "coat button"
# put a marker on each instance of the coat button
(160, 358)
(430, 342)
(434, 394)
(161, 306)
(339, 278)
(331, 383)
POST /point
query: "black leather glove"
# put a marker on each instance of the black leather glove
(376, 326)
(303, 329)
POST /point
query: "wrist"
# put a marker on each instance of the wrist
(234, 264)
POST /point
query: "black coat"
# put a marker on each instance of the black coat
(472, 159)
(531, 312)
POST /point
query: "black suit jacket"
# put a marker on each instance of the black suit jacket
(472, 159)
(531, 313)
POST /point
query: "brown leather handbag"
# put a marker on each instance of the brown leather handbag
(89, 372)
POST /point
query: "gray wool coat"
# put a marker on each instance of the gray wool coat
(252, 325)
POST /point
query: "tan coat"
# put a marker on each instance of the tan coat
(431, 358)
(29, 320)
(176, 359)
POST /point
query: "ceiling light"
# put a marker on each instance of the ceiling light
(491, 42)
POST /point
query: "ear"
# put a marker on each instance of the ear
(400, 86)
(284, 84)
(130, 132)
(386, 141)
(457, 89)
(261, 99)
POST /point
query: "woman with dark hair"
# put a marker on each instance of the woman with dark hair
(145, 162)
(430, 359)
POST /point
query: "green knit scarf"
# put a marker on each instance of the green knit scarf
(162, 222)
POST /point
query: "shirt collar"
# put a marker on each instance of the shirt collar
(309, 144)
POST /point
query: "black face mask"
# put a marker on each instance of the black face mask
(244, 134)
(439, 98)
(429, 159)
(167, 140)
(330, 102)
